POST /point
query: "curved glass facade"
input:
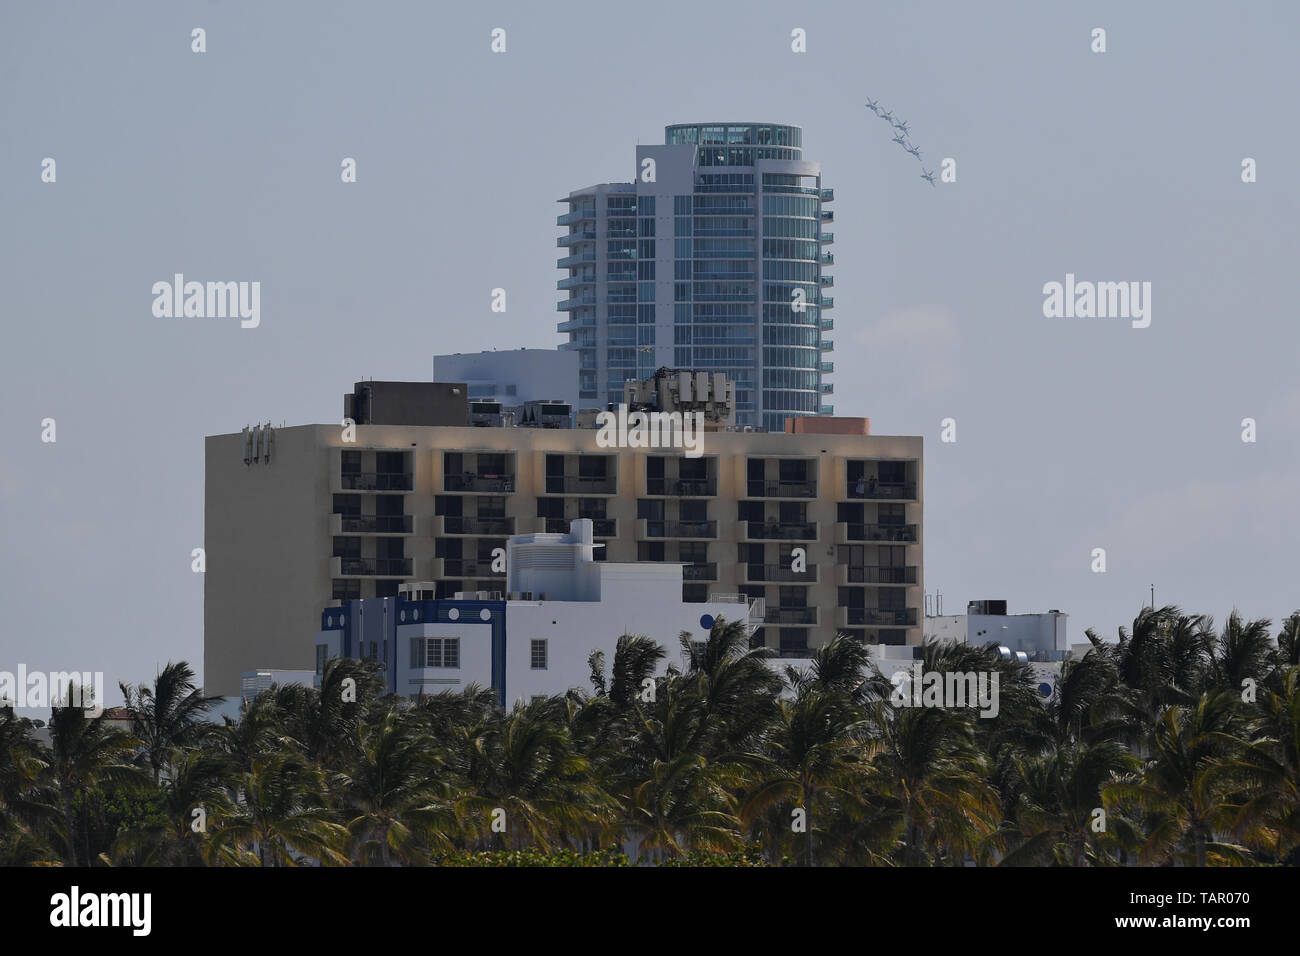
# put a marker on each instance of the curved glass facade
(738, 279)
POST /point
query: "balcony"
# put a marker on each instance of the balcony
(878, 575)
(479, 484)
(578, 485)
(575, 237)
(778, 531)
(700, 572)
(576, 323)
(827, 410)
(827, 302)
(578, 215)
(458, 526)
(574, 282)
(827, 324)
(826, 281)
(568, 262)
(903, 533)
(828, 388)
(375, 481)
(828, 195)
(828, 215)
(600, 527)
(371, 524)
(370, 567)
(826, 238)
(827, 258)
(684, 530)
(872, 490)
(776, 574)
(873, 617)
(576, 302)
(827, 345)
(780, 489)
(680, 488)
(826, 367)
(806, 616)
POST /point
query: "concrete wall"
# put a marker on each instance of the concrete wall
(574, 629)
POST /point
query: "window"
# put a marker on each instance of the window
(435, 652)
(537, 654)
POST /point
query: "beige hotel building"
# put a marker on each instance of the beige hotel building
(299, 518)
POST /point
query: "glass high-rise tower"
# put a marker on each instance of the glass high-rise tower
(713, 258)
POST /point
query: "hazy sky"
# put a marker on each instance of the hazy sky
(1072, 434)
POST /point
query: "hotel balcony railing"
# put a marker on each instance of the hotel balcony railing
(828, 215)
(828, 388)
(780, 489)
(791, 615)
(574, 282)
(828, 195)
(826, 237)
(600, 527)
(827, 323)
(576, 323)
(485, 484)
(373, 524)
(574, 303)
(577, 259)
(682, 488)
(578, 215)
(374, 567)
(777, 574)
(575, 237)
(700, 572)
(827, 410)
(827, 345)
(827, 258)
(777, 531)
(826, 281)
(827, 302)
(469, 568)
(827, 367)
(679, 529)
(375, 481)
(878, 575)
(873, 490)
(873, 617)
(905, 533)
(458, 525)
(577, 485)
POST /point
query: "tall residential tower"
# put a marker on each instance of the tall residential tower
(713, 259)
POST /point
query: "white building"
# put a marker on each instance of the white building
(1040, 637)
(561, 605)
(514, 376)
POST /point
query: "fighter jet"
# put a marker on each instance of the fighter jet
(901, 127)
(901, 141)
(887, 117)
(873, 105)
(915, 151)
(927, 176)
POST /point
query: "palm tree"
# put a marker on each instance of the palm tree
(1183, 789)
(283, 815)
(925, 761)
(194, 800)
(811, 760)
(1269, 770)
(84, 752)
(167, 716)
(395, 794)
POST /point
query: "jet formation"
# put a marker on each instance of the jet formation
(900, 129)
